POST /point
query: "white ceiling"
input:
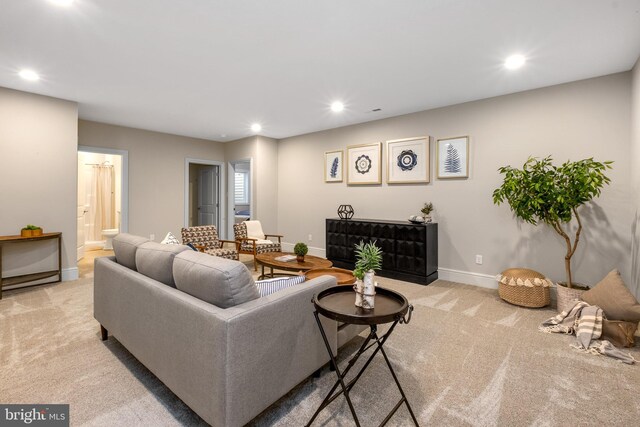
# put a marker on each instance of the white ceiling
(207, 68)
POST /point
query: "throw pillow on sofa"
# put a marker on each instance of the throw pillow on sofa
(216, 280)
(613, 297)
(270, 286)
(170, 239)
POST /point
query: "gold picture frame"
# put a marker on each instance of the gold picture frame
(408, 160)
(364, 164)
(452, 157)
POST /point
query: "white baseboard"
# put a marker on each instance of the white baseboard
(468, 277)
(321, 252)
(69, 274)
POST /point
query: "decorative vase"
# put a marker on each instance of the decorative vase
(369, 290)
(300, 258)
(359, 288)
(567, 297)
(427, 218)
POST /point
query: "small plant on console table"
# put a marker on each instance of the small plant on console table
(368, 260)
(542, 192)
(300, 249)
(31, 231)
(426, 211)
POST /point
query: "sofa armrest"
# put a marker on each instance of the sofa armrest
(274, 343)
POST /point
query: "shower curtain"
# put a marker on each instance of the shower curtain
(102, 203)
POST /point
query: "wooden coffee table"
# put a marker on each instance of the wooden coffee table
(343, 277)
(269, 260)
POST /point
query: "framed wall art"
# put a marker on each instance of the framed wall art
(408, 160)
(364, 164)
(453, 157)
(333, 166)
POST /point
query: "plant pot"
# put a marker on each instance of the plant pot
(300, 258)
(427, 219)
(36, 232)
(26, 233)
(567, 297)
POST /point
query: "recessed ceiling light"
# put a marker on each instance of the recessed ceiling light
(256, 127)
(514, 61)
(30, 75)
(337, 106)
(64, 3)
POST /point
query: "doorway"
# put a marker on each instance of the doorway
(203, 201)
(102, 197)
(240, 191)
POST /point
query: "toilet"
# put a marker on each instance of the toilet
(108, 235)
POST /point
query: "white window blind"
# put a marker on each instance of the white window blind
(242, 188)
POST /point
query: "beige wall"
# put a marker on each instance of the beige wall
(156, 172)
(263, 153)
(570, 121)
(635, 180)
(38, 160)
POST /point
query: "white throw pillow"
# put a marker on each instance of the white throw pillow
(269, 286)
(170, 239)
(254, 230)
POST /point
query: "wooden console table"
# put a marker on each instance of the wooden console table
(24, 278)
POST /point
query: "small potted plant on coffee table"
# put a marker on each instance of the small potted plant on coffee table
(300, 249)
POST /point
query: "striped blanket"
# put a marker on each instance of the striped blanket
(585, 321)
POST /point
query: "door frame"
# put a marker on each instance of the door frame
(124, 185)
(231, 191)
(222, 222)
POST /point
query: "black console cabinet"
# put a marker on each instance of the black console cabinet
(410, 251)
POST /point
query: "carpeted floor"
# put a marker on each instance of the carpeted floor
(466, 358)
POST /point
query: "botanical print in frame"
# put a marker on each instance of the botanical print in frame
(408, 160)
(453, 157)
(333, 166)
(364, 164)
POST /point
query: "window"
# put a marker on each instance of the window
(242, 188)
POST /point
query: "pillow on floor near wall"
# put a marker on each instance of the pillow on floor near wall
(270, 286)
(613, 297)
(619, 332)
(170, 239)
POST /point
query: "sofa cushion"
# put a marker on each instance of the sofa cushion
(125, 247)
(613, 297)
(155, 260)
(270, 286)
(219, 281)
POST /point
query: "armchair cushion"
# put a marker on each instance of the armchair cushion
(218, 281)
(254, 230)
(205, 235)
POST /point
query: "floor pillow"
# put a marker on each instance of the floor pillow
(619, 332)
(613, 297)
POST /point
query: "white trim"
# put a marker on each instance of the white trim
(468, 278)
(124, 190)
(222, 220)
(69, 274)
(321, 252)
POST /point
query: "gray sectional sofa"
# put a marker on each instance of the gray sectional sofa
(197, 322)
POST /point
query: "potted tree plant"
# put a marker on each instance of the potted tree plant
(300, 249)
(368, 260)
(542, 192)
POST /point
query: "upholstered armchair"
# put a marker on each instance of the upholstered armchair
(252, 240)
(205, 239)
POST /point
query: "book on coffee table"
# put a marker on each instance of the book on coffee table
(285, 258)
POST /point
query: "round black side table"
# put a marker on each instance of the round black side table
(338, 303)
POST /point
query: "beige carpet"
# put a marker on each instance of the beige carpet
(466, 358)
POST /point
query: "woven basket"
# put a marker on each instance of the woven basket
(524, 287)
(567, 297)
